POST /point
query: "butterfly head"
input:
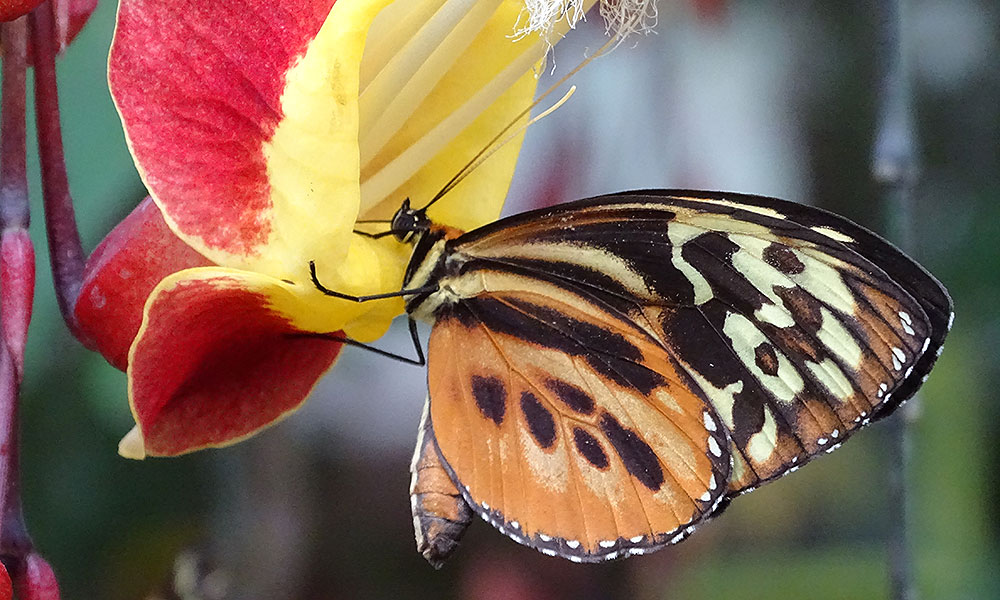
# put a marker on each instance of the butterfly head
(409, 222)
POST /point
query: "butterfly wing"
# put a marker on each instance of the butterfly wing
(567, 427)
(797, 325)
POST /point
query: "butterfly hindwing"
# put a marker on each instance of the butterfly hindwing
(567, 426)
(797, 326)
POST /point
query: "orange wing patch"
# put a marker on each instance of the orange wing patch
(571, 430)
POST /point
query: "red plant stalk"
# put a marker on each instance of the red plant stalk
(65, 249)
(30, 575)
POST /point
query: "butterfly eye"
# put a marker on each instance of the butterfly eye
(408, 221)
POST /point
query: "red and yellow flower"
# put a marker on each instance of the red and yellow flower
(263, 131)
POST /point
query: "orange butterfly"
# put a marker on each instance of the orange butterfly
(607, 374)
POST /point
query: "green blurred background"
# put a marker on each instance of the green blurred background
(317, 507)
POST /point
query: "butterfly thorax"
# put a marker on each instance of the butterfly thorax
(433, 261)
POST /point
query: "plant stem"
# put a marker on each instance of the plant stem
(13, 172)
(895, 167)
(65, 250)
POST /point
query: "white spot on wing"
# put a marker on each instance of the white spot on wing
(574, 544)
(713, 446)
(706, 497)
(547, 538)
(636, 539)
(607, 543)
(709, 422)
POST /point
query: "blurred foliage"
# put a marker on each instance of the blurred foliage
(112, 528)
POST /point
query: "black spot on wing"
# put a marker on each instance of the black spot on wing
(783, 259)
(491, 397)
(766, 358)
(588, 446)
(638, 458)
(572, 396)
(804, 307)
(540, 422)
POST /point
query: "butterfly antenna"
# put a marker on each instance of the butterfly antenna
(492, 146)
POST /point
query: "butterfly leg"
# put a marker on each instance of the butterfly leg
(329, 292)
(419, 361)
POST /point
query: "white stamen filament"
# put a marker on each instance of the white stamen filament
(409, 76)
(383, 182)
(398, 21)
(411, 47)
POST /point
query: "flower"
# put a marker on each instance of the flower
(263, 132)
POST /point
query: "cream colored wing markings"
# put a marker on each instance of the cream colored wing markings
(826, 281)
(732, 326)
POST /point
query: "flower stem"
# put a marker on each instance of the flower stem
(17, 269)
(65, 250)
(13, 172)
(895, 167)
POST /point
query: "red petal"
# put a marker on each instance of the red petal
(215, 362)
(198, 84)
(121, 273)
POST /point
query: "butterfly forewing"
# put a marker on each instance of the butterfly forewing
(795, 324)
(566, 425)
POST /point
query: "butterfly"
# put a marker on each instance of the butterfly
(607, 374)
